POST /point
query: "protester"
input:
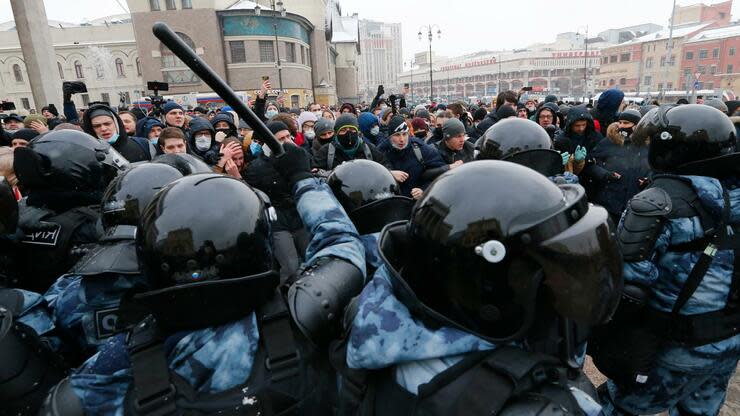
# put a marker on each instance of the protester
(347, 145)
(102, 122)
(172, 140)
(202, 140)
(454, 148)
(324, 129)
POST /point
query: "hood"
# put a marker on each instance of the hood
(609, 101)
(612, 133)
(580, 113)
(145, 125)
(550, 106)
(367, 121)
(220, 117)
(87, 126)
(198, 124)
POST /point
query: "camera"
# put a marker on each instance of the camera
(7, 106)
(156, 99)
(74, 87)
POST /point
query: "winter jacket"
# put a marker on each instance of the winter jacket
(616, 153)
(567, 141)
(367, 121)
(490, 119)
(262, 175)
(466, 154)
(321, 157)
(133, 149)
(607, 108)
(212, 155)
(421, 173)
(556, 117)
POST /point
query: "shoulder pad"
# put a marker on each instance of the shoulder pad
(683, 196)
(651, 202)
(29, 217)
(643, 222)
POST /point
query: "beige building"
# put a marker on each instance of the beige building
(102, 53)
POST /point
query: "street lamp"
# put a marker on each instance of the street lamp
(430, 29)
(277, 7)
(411, 67)
(585, 64)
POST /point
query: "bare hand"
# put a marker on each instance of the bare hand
(400, 175)
(456, 164)
(229, 150)
(265, 86)
(231, 169)
(616, 175)
(416, 193)
(39, 127)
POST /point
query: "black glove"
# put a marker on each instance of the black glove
(294, 165)
(392, 99)
(381, 91)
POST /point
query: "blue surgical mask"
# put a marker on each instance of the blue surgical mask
(113, 138)
(255, 148)
(375, 130)
(154, 141)
(271, 113)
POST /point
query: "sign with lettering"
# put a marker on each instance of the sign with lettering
(44, 238)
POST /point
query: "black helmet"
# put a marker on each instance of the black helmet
(8, 208)
(130, 192)
(369, 194)
(204, 242)
(482, 260)
(524, 142)
(67, 160)
(186, 163)
(685, 134)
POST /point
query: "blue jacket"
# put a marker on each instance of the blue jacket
(406, 160)
(216, 359)
(666, 272)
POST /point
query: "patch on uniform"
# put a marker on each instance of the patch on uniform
(44, 238)
(105, 322)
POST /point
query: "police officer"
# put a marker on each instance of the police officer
(221, 337)
(677, 344)
(468, 305)
(371, 198)
(85, 301)
(64, 172)
(524, 142)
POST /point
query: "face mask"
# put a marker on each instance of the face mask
(202, 143)
(309, 134)
(399, 147)
(113, 139)
(420, 134)
(227, 132)
(255, 148)
(531, 108)
(154, 141)
(348, 140)
(318, 114)
(626, 132)
(271, 113)
(375, 130)
(383, 107)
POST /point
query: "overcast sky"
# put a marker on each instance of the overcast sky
(467, 26)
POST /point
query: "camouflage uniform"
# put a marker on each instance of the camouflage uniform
(689, 380)
(218, 358)
(372, 253)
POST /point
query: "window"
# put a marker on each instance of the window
(622, 81)
(729, 68)
(25, 103)
(138, 66)
(294, 101)
(17, 73)
(687, 72)
(710, 85)
(662, 61)
(187, 4)
(154, 5)
(605, 60)
(78, 70)
(267, 51)
(85, 99)
(119, 68)
(105, 97)
(713, 69)
(701, 69)
(689, 55)
(625, 57)
(290, 52)
(672, 61)
(613, 59)
(702, 54)
(649, 63)
(715, 53)
(669, 86)
(238, 54)
(61, 70)
(660, 85)
(127, 97)
(731, 52)
(171, 5)
(303, 55)
(174, 71)
(648, 80)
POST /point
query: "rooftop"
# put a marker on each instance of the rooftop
(678, 31)
(719, 33)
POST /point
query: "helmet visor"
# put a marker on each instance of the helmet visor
(583, 268)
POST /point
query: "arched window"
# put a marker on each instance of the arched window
(174, 71)
(78, 70)
(119, 67)
(138, 66)
(17, 73)
(61, 70)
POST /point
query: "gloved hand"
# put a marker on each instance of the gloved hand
(294, 165)
(566, 157)
(381, 90)
(392, 99)
(580, 153)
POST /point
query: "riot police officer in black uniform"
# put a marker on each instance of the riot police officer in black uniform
(64, 172)
(468, 314)
(220, 337)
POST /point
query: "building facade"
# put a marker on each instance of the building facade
(382, 58)
(711, 59)
(101, 53)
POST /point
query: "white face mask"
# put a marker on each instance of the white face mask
(318, 114)
(203, 142)
(309, 134)
(375, 130)
(271, 113)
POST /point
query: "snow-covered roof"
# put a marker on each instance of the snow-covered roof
(678, 31)
(243, 5)
(719, 33)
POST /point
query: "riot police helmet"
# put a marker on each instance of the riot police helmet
(521, 141)
(483, 255)
(369, 194)
(685, 134)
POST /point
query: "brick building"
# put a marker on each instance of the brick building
(715, 56)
